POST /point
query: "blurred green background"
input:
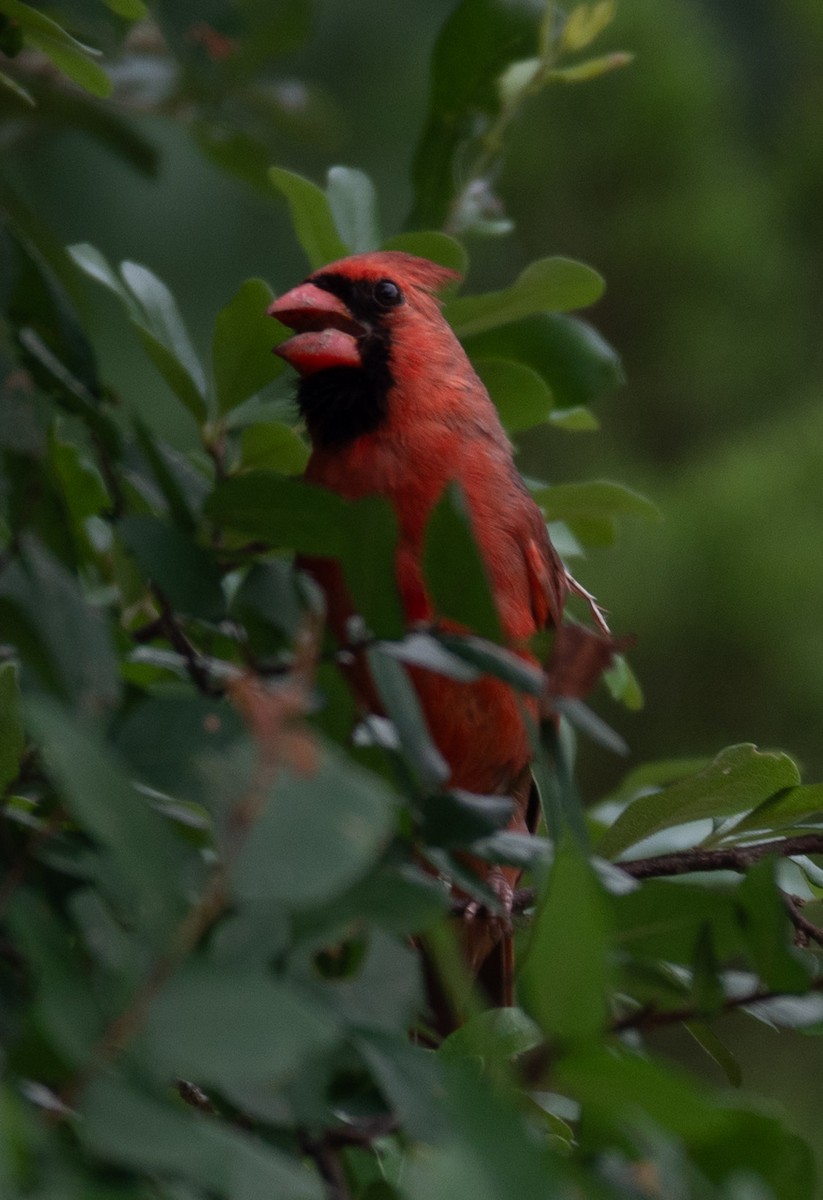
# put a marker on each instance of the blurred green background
(693, 180)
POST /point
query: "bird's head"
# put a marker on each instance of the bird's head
(356, 322)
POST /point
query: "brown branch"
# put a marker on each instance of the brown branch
(324, 1149)
(807, 931)
(358, 1133)
(276, 744)
(728, 858)
(328, 1165)
(690, 862)
(649, 1017)
(120, 1031)
(170, 628)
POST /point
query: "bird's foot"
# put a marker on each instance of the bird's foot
(499, 924)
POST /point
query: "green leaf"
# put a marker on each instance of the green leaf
(401, 899)
(74, 63)
(457, 818)
(385, 993)
(244, 335)
(655, 775)
(547, 285)
(314, 521)
(16, 89)
(574, 420)
(368, 561)
(402, 704)
(105, 804)
(171, 742)
(68, 55)
(165, 337)
(84, 492)
(72, 649)
(620, 1088)
(311, 216)
(591, 69)
(717, 1050)
(497, 1035)
(739, 778)
(303, 850)
(353, 203)
(283, 512)
(268, 599)
(518, 78)
(62, 1001)
(571, 356)
(707, 988)
(419, 649)
(519, 394)
(666, 920)
(767, 931)
(623, 684)
(12, 738)
(553, 772)
(496, 660)
(476, 43)
(153, 311)
(786, 808)
(584, 23)
(228, 1027)
(176, 1142)
(438, 247)
(273, 446)
(44, 313)
(492, 1152)
(571, 927)
(94, 264)
(599, 499)
(578, 714)
(523, 850)
(183, 571)
(409, 1078)
(455, 570)
(182, 488)
(130, 10)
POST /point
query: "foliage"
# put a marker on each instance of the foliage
(211, 897)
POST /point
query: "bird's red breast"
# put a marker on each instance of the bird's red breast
(394, 408)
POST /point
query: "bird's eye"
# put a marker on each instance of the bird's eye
(387, 293)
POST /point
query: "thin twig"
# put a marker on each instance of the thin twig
(200, 917)
(691, 862)
(328, 1165)
(196, 668)
(215, 895)
(807, 931)
(728, 858)
(649, 1017)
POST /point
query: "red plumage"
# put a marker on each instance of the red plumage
(436, 423)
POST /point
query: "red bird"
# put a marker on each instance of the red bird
(393, 408)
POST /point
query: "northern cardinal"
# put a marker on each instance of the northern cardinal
(394, 408)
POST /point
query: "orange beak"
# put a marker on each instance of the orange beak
(327, 335)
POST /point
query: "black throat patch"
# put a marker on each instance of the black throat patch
(340, 404)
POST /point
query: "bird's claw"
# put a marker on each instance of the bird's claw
(500, 922)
